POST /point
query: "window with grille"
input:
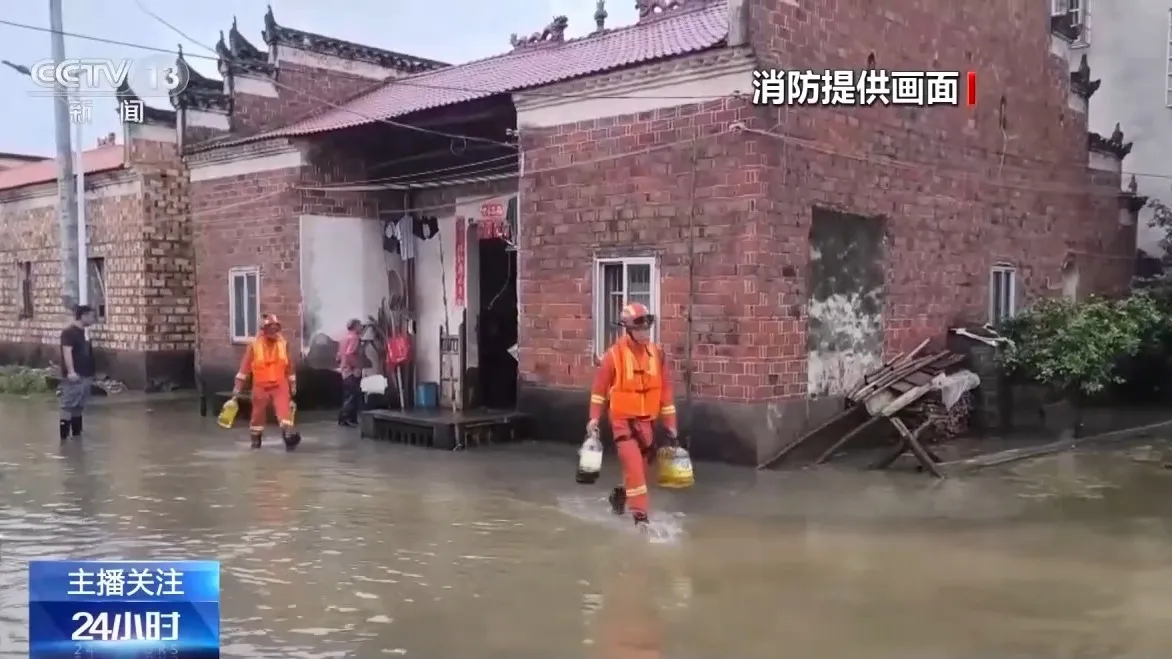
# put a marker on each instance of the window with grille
(244, 303)
(24, 288)
(1002, 294)
(618, 282)
(96, 287)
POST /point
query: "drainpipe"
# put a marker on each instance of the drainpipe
(410, 374)
(689, 362)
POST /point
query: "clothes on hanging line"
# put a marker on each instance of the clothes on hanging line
(398, 236)
(426, 228)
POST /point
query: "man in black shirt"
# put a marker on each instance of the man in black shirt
(78, 367)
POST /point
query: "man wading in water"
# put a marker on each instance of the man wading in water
(77, 364)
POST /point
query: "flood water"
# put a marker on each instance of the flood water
(349, 548)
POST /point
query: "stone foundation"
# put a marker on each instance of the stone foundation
(719, 431)
(135, 369)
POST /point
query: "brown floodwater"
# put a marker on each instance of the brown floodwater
(349, 548)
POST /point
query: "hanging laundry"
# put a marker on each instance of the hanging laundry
(406, 237)
(426, 228)
(391, 233)
(397, 236)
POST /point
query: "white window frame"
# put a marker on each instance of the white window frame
(24, 275)
(999, 275)
(97, 275)
(600, 295)
(251, 320)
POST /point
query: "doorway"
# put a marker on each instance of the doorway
(497, 326)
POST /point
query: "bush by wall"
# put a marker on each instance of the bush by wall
(1081, 349)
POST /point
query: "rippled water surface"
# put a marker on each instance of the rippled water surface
(353, 549)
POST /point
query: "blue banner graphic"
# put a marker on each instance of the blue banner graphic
(124, 609)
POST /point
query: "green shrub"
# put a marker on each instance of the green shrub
(1077, 347)
(22, 381)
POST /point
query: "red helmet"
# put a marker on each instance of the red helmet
(636, 316)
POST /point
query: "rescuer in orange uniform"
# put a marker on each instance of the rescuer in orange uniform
(634, 376)
(274, 382)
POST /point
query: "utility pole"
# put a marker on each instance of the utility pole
(67, 192)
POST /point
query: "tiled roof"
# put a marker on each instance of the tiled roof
(681, 32)
(102, 159)
(21, 156)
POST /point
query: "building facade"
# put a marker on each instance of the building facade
(139, 272)
(508, 207)
(1128, 44)
(785, 249)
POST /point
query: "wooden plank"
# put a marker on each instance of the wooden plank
(826, 455)
(913, 442)
(917, 378)
(906, 399)
(789, 448)
(899, 374)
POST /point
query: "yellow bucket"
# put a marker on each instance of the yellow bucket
(228, 413)
(674, 468)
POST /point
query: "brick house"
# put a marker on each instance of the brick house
(786, 249)
(139, 271)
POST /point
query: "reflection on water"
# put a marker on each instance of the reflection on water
(353, 549)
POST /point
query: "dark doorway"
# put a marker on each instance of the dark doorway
(498, 324)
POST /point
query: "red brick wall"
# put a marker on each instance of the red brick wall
(641, 204)
(243, 221)
(30, 235)
(253, 220)
(962, 195)
(300, 93)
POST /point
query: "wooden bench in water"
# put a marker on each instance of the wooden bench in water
(443, 429)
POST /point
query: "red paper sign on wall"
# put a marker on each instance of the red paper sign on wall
(492, 223)
(461, 254)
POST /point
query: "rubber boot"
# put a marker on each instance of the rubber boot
(63, 428)
(75, 426)
(256, 438)
(641, 519)
(292, 439)
(618, 501)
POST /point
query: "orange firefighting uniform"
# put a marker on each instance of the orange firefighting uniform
(636, 380)
(273, 378)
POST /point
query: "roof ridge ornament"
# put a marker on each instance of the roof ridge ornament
(600, 17)
(278, 35)
(1080, 80)
(555, 32)
(1113, 146)
(654, 8)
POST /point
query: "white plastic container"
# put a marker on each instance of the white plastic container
(589, 461)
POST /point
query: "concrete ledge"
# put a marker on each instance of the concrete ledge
(714, 431)
(1008, 456)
